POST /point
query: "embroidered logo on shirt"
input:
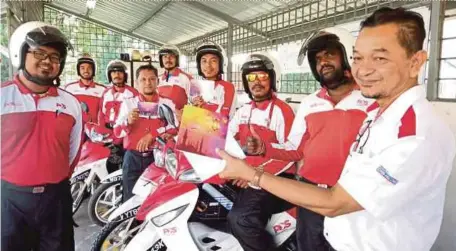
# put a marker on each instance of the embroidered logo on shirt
(11, 104)
(61, 106)
(316, 104)
(362, 102)
(383, 172)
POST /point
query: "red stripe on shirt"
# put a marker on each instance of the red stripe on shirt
(408, 123)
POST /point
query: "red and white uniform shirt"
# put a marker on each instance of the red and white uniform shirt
(174, 89)
(89, 97)
(397, 171)
(110, 103)
(224, 100)
(131, 134)
(270, 121)
(321, 135)
(40, 135)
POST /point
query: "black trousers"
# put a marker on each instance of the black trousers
(133, 166)
(309, 229)
(249, 217)
(36, 219)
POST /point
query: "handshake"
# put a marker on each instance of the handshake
(254, 146)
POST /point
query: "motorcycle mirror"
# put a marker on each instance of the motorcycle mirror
(84, 107)
(161, 140)
(166, 113)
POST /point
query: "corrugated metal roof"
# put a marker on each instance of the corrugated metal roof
(175, 23)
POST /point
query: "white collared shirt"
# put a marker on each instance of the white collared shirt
(397, 171)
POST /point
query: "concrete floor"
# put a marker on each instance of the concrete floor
(87, 231)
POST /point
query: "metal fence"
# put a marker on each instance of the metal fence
(280, 34)
(102, 44)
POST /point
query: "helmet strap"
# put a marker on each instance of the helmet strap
(40, 81)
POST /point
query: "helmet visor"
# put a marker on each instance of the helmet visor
(304, 48)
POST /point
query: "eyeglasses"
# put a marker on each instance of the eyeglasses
(362, 137)
(41, 55)
(260, 76)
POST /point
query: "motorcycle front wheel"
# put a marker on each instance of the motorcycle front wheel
(115, 236)
(106, 198)
(78, 190)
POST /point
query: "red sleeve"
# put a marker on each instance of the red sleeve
(288, 116)
(286, 155)
(280, 153)
(101, 115)
(228, 98)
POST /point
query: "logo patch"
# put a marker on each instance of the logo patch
(11, 104)
(362, 102)
(383, 172)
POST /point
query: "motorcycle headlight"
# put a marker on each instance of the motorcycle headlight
(171, 163)
(159, 159)
(167, 217)
(190, 176)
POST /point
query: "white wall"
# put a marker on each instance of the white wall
(447, 238)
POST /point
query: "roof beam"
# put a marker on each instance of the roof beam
(225, 17)
(159, 8)
(158, 43)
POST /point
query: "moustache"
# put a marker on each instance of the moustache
(327, 67)
(257, 86)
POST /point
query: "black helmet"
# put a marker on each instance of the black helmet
(330, 37)
(209, 47)
(116, 65)
(32, 35)
(86, 59)
(168, 49)
(261, 62)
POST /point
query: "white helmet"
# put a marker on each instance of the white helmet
(32, 35)
(209, 47)
(261, 61)
(318, 41)
(116, 65)
(168, 49)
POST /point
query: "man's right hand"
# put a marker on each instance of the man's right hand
(133, 116)
(254, 146)
(198, 101)
(241, 183)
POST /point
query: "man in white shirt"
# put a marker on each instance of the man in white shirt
(391, 193)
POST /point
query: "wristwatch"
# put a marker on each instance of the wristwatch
(255, 183)
(256, 178)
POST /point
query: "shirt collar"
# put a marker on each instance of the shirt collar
(264, 104)
(91, 84)
(52, 91)
(175, 73)
(121, 90)
(323, 93)
(396, 110)
(154, 97)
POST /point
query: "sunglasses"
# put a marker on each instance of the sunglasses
(260, 76)
(362, 137)
(41, 55)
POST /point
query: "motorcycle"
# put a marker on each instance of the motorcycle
(108, 196)
(93, 165)
(177, 210)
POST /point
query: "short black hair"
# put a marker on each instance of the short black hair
(411, 32)
(147, 67)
